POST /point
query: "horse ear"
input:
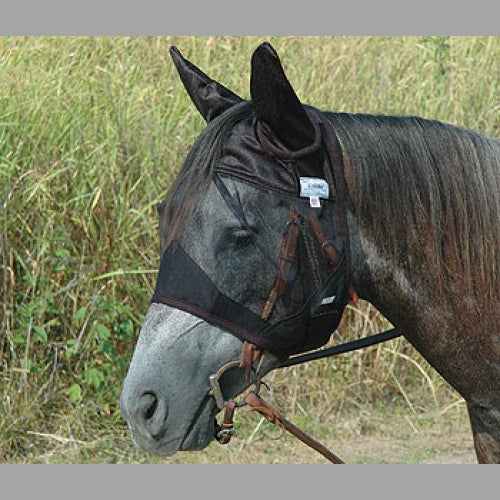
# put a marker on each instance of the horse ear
(275, 101)
(210, 97)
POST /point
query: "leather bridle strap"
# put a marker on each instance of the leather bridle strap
(259, 405)
(328, 246)
(226, 429)
(285, 261)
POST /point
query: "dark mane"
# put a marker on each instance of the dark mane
(424, 184)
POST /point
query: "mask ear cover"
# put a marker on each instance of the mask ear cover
(210, 97)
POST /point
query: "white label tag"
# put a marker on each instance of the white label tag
(314, 189)
(328, 300)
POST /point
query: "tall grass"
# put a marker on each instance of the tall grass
(92, 132)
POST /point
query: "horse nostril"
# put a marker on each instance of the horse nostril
(149, 403)
(152, 412)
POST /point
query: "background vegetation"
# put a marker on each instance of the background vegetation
(92, 132)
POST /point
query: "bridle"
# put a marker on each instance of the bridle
(252, 357)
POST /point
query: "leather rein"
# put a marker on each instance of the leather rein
(251, 358)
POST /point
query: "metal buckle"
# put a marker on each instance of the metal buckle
(224, 432)
(224, 435)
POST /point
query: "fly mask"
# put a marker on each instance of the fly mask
(305, 262)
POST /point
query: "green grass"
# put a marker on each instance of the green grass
(92, 133)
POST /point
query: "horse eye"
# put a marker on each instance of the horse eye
(241, 237)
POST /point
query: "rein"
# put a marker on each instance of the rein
(342, 348)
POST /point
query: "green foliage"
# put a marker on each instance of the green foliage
(92, 133)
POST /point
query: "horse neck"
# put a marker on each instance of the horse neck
(377, 279)
(410, 299)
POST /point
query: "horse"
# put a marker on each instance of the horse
(280, 216)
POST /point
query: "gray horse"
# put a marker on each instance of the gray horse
(421, 243)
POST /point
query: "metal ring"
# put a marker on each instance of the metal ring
(216, 390)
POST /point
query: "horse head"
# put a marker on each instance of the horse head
(254, 248)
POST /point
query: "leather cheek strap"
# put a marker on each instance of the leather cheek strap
(249, 355)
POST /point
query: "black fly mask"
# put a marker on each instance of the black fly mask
(287, 202)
